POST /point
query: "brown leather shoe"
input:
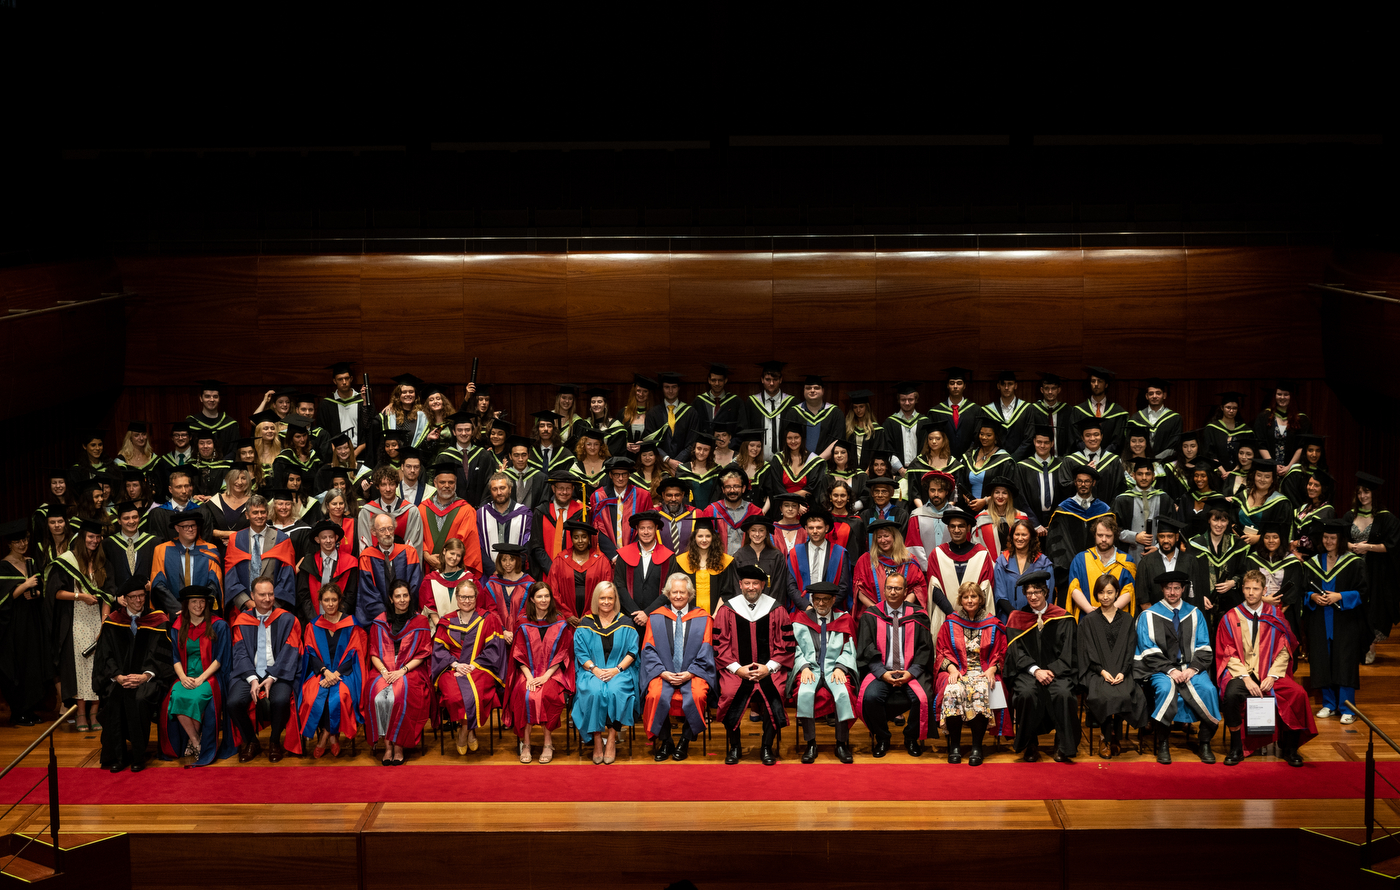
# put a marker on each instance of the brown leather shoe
(250, 749)
(1105, 747)
(275, 751)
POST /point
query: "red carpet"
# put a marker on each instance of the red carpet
(1087, 780)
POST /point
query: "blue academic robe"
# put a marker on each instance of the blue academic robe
(799, 577)
(1160, 649)
(596, 704)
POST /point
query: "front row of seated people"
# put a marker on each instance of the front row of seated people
(215, 685)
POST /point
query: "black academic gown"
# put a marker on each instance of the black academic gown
(1160, 436)
(1337, 662)
(1042, 708)
(1151, 565)
(1031, 479)
(1110, 469)
(965, 430)
(1059, 418)
(1382, 578)
(1110, 647)
(26, 664)
(1016, 436)
(673, 446)
(120, 561)
(59, 576)
(126, 713)
(773, 565)
(1114, 421)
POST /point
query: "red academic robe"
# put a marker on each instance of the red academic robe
(352, 665)
(741, 640)
(870, 582)
(479, 643)
(412, 692)
(1275, 636)
(543, 706)
(560, 579)
(991, 656)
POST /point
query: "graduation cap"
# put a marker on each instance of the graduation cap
(574, 525)
(547, 416)
(752, 572)
(240, 465)
(1323, 477)
(325, 525)
(1156, 383)
(645, 516)
(412, 380)
(1054, 379)
(1370, 480)
(211, 386)
(1034, 579)
(859, 397)
(1188, 436)
(1136, 429)
(1229, 396)
(462, 417)
(793, 426)
(773, 367)
(431, 388)
(673, 482)
(597, 392)
(786, 498)
(1043, 429)
(756, 519)
(818, 513)
(1246, 441)
(513, 442)
(286, 391)
(1272, 526)
(14, 530)
(89, 525)
(280, 494)
(1333, 525)
(704, 439)
(180, 426)
(882, 523)
(297, 424)
(127, 507)
(1084, 424)
(268, 416)
(929, 424)
(880, 480)
(588, 432)
(1004, 376)
(1287, 385)
(939, 476)
(1003, 482)
(1262, 466)
(136, 583)
(618, 462)
(507, 547)
(130, 475)
(410, 451)
(745, 436)
(503, 425)
(340, 368)
(906, 387)
(703, 522)
(567, 389)
(201, 434)
(394, 435)
(985, 422)
(1307, 439)
(1221, 503)
(669, 377)
(558, 476)
(342, 439)
(55, 473)
(86, 436)
(848, 445)
(823, 588)
(483, 389)
(645, 382)
(814, 380)
(1086, 470)
(646, 447)
(721, 370)
(193, 592)
(1102, 373)
(724, 426)
(138, 426)
(957, 373)
(882, 454)
(1138, 463)
(1167, 523)
(1166, 578)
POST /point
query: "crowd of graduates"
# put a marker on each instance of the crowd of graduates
(964, 566)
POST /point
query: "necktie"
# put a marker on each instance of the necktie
(1039, 621)
(955, 415)
(1253, 627)
(133, 625)
(188, 582)
(821, 648)
(260, 657)
(671, 418)
(678, 646)
(256, 567)
(327, 568)
(1098, 409)
(674, 533)
(131, 557)
(1046, 491)
(1176, 629)
(182, 460)
(558, 529)
(389, 576)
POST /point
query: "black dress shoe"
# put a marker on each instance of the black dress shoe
(899, 721)
(843, 754)
(810, 755)
(974, 756)
(24, 720)
(1292, 758)
(1061, 757)
(769, 756)
(1164, 754)
(1236, 753)
(754, 718)
(954, 754)
(914, 747)
(880, 748)
(682, 750)
(1032, 755)
(138, 766)
(664, 751)
(1207, 753)
(116, 767)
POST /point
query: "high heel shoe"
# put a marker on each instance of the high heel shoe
(472, 743)
(610, 751)
(335, 745)
(598, 754)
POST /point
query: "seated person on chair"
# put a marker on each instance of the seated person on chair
(267, 645)
(1174, 658)
(678, 666)
(606, 646)
(970, 656)
(131, 670)
(193, 716)
(895, 654)
(1107, 640)
(468, 664)
(753, 648)
(332, 674)
(1040, 662)
(824, 669)
(1254, 647)
(400, 644)
(542, 667)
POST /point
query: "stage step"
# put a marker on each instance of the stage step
(94, 859)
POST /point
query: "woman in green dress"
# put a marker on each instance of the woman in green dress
(194, 706)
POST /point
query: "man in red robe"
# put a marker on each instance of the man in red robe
(1254, 649)
(959, 560)
(753, 654)
(575, 573)
(613, 506)
(547, 535)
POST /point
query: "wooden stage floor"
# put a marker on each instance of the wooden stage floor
(731, 844)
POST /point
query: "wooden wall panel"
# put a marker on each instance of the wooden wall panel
(209, 296)
(1031, 311)
(517, 316)
(41, 286)
(617, 300)
(722, 311)
(1253, 303)
(411, 317)
(308, 309)
(1134, 311)
(821, 307)
(929, 302)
